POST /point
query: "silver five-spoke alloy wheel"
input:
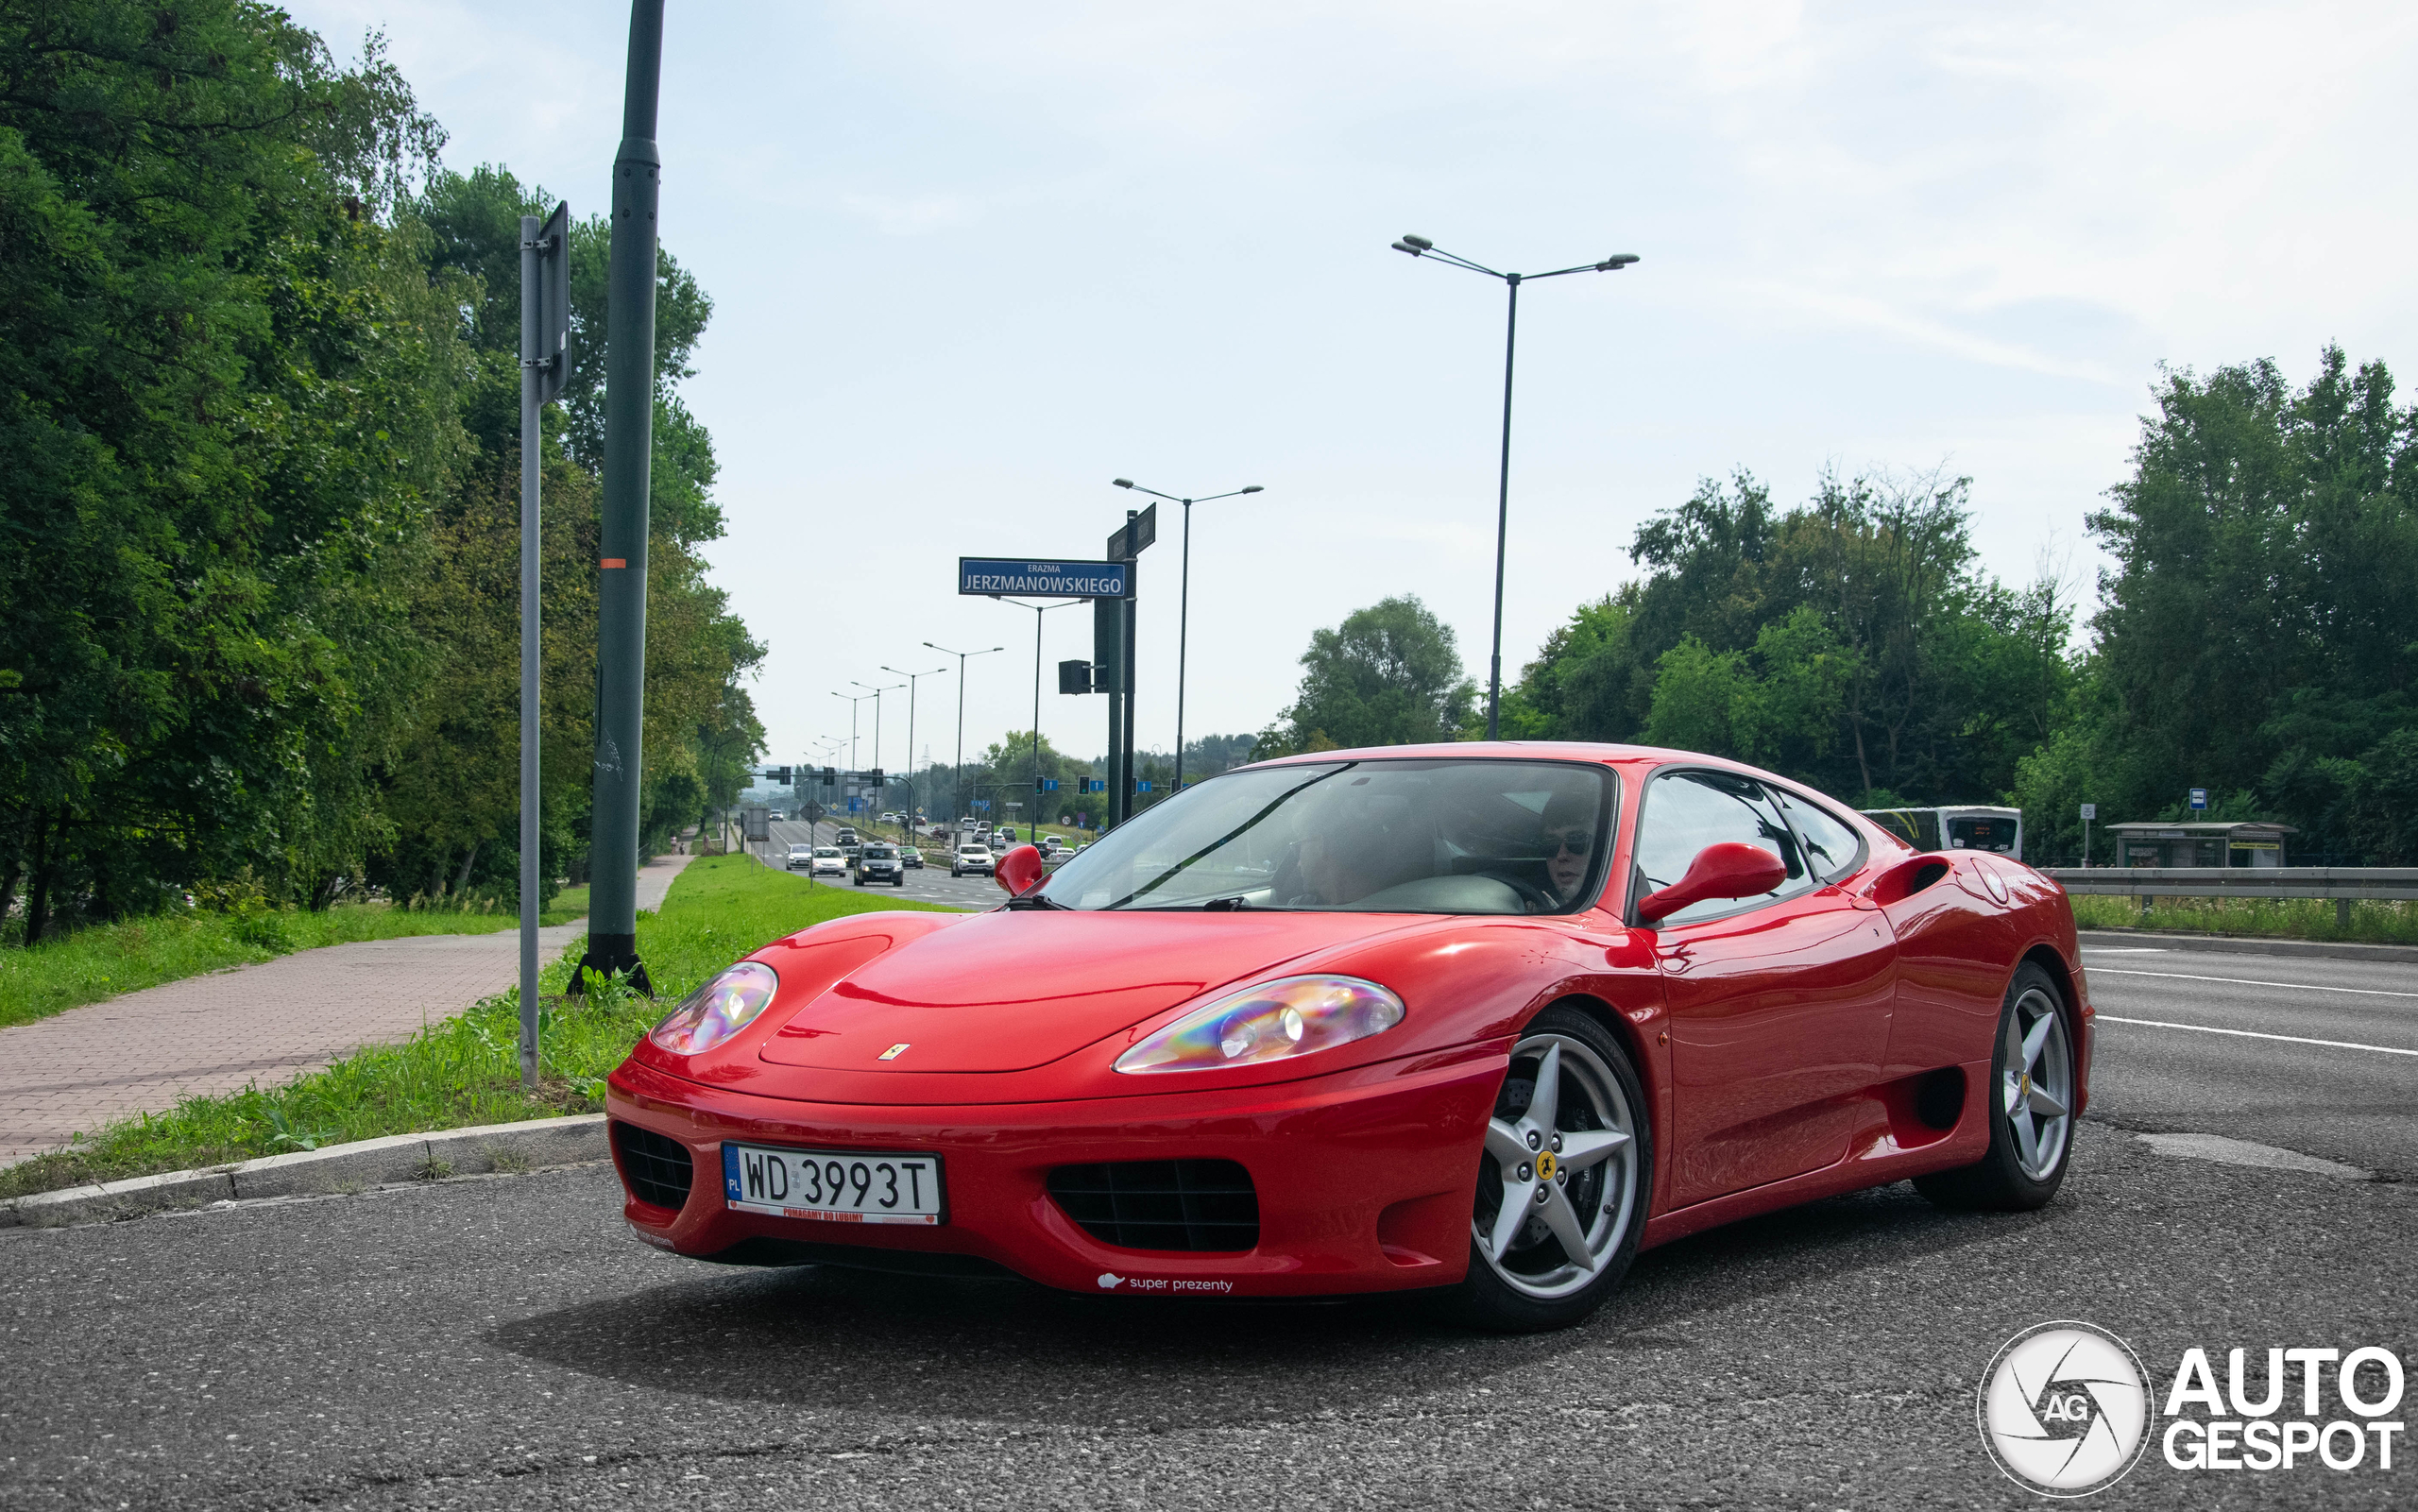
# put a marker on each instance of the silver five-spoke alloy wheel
(2036, 1087)
(1559, 1184)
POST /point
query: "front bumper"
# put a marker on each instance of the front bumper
(1364, 1177)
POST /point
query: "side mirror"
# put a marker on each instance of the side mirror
(1733, 869)
(1018, 870)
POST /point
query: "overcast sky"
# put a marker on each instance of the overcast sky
(970, 262)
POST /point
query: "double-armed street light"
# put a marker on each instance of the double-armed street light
(1038, 610)
(874, 694)
(1422, 247)
(914, 792)
(1183, 613)
(853, 699)
(960, 773)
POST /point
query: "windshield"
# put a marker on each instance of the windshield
(1391, 837)
(827, 851)
(879, 853)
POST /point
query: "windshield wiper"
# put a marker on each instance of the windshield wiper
(1233, 904)
(1033, 900)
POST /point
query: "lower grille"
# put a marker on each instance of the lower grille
(1194, 1205)
(658, 1169)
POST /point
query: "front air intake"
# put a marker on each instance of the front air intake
(658, 1169)
(1185, 1205)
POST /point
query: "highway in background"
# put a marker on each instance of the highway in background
(2317, 1056)
(931, 883)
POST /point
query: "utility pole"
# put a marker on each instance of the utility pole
(545, 362)
(1114, 633)
(620, 595)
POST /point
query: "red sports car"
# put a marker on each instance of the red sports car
(1483, 1019)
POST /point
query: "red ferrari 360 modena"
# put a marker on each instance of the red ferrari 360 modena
(1480, 1019)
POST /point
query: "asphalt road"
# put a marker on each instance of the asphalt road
(2354, 1101)
(930, 883)
(501, 1342)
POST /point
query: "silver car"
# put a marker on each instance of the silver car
(976, 858)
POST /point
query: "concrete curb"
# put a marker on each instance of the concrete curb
(520, 1146)
(2251, 946)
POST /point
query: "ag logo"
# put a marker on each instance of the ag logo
(1110, 1280)
(2064, 1409)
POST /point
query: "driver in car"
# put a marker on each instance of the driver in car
(1567, 840)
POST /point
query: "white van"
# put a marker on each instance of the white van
(1956, 827)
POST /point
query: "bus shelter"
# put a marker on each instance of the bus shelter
(2249, 842)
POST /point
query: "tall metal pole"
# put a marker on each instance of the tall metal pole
(1131, 605)
(530, 381)
(1502, 519)
(958, 783)
(629, 432)
(1183, 639)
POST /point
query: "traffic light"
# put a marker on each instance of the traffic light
(830, 777)
(874, 778)
(781, 777)
(1075, 677)
(1044, 785)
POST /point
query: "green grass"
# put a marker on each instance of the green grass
(107, 960)
(466, 1070)
(2392, 923)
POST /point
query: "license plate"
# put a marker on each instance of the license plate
(836, 1185)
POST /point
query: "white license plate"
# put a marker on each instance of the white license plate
(837, 1185)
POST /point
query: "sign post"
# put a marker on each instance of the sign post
(2089, 813)
(545, 362)
(2199, 800)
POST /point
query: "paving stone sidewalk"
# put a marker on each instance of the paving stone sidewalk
(266, 1023)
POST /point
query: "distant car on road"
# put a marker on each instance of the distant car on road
(909, 857)
(880, 863)
(828, 858)
(974, 858)
(800, 855)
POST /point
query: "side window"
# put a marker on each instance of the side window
(1686, 811)
(1830, 845)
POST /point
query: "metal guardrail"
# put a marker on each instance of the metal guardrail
(2346, 883)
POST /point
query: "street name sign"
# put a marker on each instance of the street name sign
(990, 575)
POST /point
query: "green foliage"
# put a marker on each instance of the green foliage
(1390, 674)
(2391, 924)
(2255, 634)
(258, 562)
(1848, 642)
(465, 1070)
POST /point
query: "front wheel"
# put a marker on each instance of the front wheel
(2030, 1107)
(1563, 1181)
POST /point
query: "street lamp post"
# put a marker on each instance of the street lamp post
(853, 699)
(875, 694)
(915, 791)
(1184, 611)
(1422, 247)
(1038, 610)
(958, 774)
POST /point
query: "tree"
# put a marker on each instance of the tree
(1390, 674)
(2254, 632)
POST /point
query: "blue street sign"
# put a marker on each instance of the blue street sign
(983, 804)
(1141, 786)
(1048, 580)
(2199, 800)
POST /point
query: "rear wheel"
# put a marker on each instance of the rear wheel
(2030, 1103)
(1562, 1181)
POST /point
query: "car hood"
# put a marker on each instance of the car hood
(1017, 989)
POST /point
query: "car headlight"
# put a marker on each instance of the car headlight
(1272, 1021)
(717, 1011)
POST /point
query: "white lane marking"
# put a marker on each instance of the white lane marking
(2242, 1152)
(2128, 950)
(2253, 1034)
(2248, 981)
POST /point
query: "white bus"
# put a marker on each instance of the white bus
(1956, 827)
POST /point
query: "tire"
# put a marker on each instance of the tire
(1527, 1280)
(2029, 1106)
